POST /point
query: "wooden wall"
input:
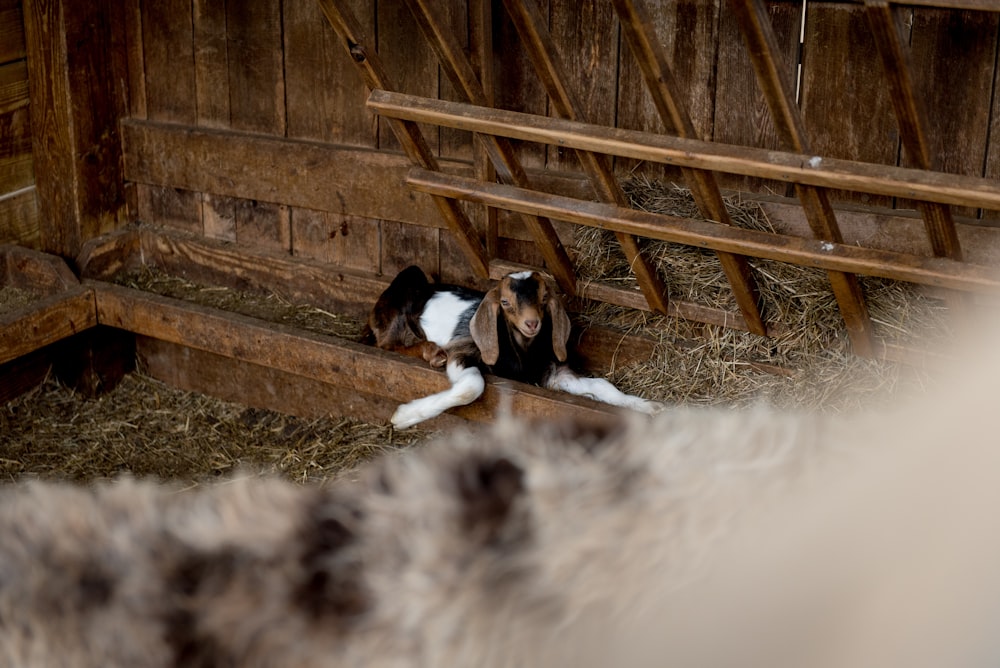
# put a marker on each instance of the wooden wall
(245, 121)
(18, 203)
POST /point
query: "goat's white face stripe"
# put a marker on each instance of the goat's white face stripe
(441, 316)
(521, 275)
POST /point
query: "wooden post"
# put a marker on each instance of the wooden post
(77, 79)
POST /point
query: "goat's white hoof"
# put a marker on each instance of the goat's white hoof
(406, 416)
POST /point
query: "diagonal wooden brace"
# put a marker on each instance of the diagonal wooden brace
(412, 140)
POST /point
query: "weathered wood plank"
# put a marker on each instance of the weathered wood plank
(103, 257)
(19, 217)
(741, 113)
(460, 71)
(13, 86)
(179, 208)
(637, 27)
(48, 320)
(11, 31)
(269, 169)
(23, 374)
(263, 225)
(547, 61)
(325, 96)
(16, 162)
(845, 104)
(943, 42)
(911, 119)
(168, 61)
(29, 269)
(77, 90)
(259, 386)
(313, 356)
(256, 68)
(301, 278)
(587, 37)
(358, 47)
(779, 93)
(940, 272)
(781, 165)
(682, 29)
(211, 63)
(341, 240)
(991, 168)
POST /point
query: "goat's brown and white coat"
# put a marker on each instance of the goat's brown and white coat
(517, 330)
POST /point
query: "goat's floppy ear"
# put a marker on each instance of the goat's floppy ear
(560, 324)
(484, 327)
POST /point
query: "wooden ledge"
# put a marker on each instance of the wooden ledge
(349, 367)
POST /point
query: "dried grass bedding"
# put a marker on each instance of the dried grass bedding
(12, 299)
(705, 364)
(146, 428)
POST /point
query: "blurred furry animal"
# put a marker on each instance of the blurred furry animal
(518, 330)
(701, 537)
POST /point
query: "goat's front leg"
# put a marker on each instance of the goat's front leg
(467, 385)
(565, 379)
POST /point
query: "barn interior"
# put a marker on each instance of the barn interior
(741, 202)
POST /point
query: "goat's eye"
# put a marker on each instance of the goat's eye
(505, 303)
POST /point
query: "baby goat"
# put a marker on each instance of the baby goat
(517, 330)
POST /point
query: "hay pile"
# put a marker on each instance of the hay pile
(705, 364)
(146, 428)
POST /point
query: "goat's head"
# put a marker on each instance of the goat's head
(525, 298)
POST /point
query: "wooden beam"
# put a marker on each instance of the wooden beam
(771, 75)
(937, 218)
(46, 321)
(531, 27)
(321, 358)
(940, 272)
(359, 47)
(460, 71)
(788, 167)
(659, 78)
(76, 101)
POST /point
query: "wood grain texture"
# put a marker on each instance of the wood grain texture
(77, 100)
(942, 44)
(31, 270)
(637, 27)
(13, 86)
(256, 68)
(341, 240)
(938, 272)
(211, 63)
(168, 61)
(912, 119)
(686, 31)
(741, 113)
(178, 208)
(541, 48)
(298, 173)
(16, 161)
(320, 358)
(846, 105)
(46, 321)
(781, 165)
(466, 85)
(586, 36)
(325, 96)
(991, 168)
(11, 31)
(19, 218)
